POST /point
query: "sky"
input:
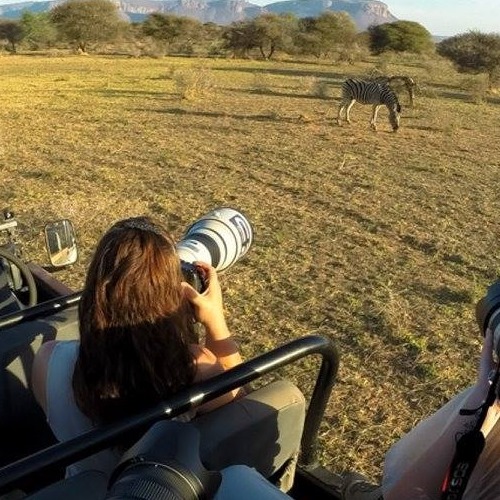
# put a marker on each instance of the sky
(440, 17)
(449, 17)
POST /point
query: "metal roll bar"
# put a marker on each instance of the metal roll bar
(40, 310)
(67, 452)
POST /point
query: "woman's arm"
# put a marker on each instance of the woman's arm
(209, 311)
(416, 465)
(221, 350)
(39, 373)
(207, 367)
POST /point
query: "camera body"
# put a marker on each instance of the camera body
(219, 238)
(194, 276)
(488, 314)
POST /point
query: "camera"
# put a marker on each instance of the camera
(194, 276)
(164, 464)
(488, 314)
(219, 238)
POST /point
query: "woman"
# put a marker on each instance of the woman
(138, 343)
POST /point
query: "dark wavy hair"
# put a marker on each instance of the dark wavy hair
(135, 325)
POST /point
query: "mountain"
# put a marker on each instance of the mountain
(223, 12)
(364, 13)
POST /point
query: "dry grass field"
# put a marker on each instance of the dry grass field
(381, 241)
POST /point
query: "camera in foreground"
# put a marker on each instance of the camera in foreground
(219, 238)
(488, 314)
(164, 464)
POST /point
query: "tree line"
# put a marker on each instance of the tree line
(83, 24)
(86, 23)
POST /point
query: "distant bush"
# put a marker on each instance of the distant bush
(193, 83)
(474, 52)
(476, 87)
(321, 89)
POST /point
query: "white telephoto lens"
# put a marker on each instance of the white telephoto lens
(219, 238)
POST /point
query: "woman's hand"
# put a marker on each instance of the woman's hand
(209, 311)
(208, 306)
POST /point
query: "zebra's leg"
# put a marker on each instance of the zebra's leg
(348, 110)
(342, 109)
(339, 114)
(373, 121)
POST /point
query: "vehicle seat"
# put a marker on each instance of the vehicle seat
(24, 427)
(263, 430)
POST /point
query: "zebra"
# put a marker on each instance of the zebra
(375, 93)
(408, 83)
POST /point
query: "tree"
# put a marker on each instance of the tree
(268, 33)
(275, 32)
(172, 29)
(473, 52)
(38, 29)
(211, 37)
(401, 36)
(308, 40)
(87, 21)
(241, 37)
(12, 32)
(326, 34)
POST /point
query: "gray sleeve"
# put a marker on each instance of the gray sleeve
(245, 483)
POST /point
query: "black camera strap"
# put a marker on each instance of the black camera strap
(469, 447)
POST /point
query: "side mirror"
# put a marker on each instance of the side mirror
(60, 240)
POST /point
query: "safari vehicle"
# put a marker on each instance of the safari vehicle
(35, 307)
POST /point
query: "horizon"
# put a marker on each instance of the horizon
(434, 15)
